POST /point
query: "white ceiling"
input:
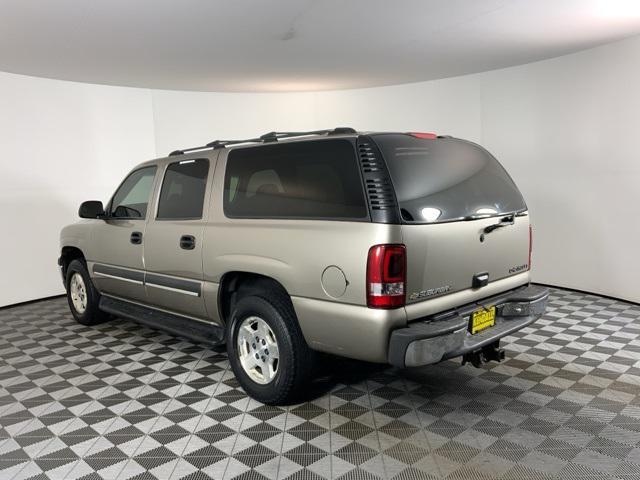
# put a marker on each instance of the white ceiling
(295, 45)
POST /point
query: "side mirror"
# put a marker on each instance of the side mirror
(91, 209)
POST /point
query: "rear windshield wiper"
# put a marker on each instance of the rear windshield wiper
(504, 222)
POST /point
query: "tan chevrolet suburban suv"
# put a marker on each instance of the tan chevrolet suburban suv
(400, 248)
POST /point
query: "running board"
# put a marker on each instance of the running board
(194, 330)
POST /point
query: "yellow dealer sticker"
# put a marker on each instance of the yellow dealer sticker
(482, 319)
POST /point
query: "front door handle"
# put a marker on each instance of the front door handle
(136, 238)
(187, 242)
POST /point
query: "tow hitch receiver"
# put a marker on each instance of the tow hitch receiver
(484, 355)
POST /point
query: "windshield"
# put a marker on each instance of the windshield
(446, 179)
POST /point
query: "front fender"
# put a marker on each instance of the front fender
(77, 235)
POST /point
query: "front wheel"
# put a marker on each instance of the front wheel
(82, 296)
(266, 349)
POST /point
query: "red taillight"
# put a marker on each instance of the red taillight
(427, 135)
(386, 276)
(530, 244)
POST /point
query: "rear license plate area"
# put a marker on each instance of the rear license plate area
(482, 319)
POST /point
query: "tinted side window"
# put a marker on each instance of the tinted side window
(182, 194)
(315, 179)
(132, 198)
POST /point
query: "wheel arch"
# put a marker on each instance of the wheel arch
(68, 254)
(236, 283)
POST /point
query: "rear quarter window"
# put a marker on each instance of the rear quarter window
(301, 180)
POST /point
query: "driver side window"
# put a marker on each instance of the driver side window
(132, 198)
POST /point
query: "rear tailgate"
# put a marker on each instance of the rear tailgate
(451, 194)
(444, 258)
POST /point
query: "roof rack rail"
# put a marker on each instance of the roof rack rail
(266, 138)
(275, 136)
(188, 150)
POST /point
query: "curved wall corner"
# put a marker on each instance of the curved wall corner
(566, 129)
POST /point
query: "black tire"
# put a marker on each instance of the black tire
(92, 315)
(295, 357)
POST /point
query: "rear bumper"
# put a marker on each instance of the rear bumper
(447, 335)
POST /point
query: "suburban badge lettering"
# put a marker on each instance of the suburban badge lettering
(430, 292)
(519, 268)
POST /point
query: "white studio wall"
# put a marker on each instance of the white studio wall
(564, 128)
(195, 118)
(62, 143)
(184, 119)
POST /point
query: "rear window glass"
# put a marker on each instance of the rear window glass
(314, 179)
(183, 188)
(447, 179)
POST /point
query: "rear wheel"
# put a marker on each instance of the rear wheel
(266, 349)
(257, 349)
(82, 296)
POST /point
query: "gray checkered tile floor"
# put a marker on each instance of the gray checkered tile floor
(123, 401)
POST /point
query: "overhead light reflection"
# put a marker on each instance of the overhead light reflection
(431, 214)
(486, 211)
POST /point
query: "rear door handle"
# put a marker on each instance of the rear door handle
(136, 238)
(480, 280)
(187, 242)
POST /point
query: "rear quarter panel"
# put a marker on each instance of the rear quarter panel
(294, 252)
